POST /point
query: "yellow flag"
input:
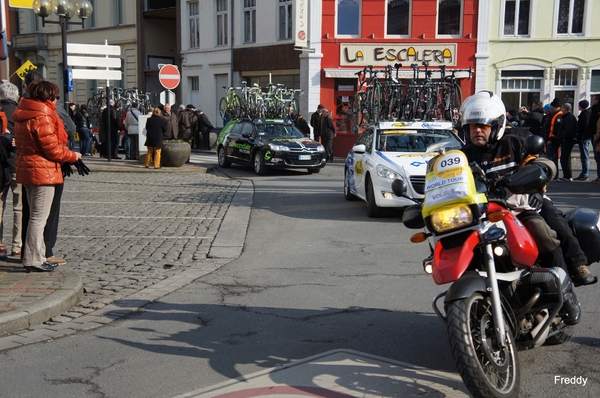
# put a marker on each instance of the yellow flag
(25, 69)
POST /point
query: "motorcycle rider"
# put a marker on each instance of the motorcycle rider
(484, 123)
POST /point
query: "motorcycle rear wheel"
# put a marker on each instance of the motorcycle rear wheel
(486, 369)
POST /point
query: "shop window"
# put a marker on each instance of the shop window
(249, 21)
(449, 17)
(285, 19)
(570, 17)
(348, 18)
(595, 88)
(222, 23)
(194, 24)
(516, 17)
(398, 17)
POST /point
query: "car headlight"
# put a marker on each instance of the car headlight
(279, 148)
(321, 148)
(451, 218)
(386, 173)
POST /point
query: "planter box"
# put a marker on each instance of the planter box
(175, 154)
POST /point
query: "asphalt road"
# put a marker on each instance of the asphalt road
(315, 275)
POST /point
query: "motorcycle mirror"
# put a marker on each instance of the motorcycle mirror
(534, 145)
(399, 188)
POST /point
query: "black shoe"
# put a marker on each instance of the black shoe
(570, 311)
(44, 267)
(116, 157)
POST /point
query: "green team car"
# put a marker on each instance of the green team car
(268, 143)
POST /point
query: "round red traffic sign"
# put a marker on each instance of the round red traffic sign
(169, 76)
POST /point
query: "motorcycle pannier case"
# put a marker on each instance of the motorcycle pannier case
(586, 226)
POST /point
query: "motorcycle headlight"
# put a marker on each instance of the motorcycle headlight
(388, 174)
(279, 148)
(451, 218)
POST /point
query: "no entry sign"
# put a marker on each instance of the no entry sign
(169, 76)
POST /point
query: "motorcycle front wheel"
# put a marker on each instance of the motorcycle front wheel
(486, 369)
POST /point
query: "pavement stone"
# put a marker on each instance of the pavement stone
(130, 235)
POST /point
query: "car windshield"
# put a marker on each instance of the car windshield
(413, 140)
(281, 131)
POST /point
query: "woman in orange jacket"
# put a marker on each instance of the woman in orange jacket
(41, 142)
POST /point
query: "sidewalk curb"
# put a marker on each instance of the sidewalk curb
(54, 304)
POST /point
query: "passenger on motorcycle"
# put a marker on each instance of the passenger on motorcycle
(484, 123)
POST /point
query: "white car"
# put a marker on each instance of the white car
(388, 151)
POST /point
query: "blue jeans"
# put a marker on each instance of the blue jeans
(127, 144)
(552, 153)
(584, 154)
(85, 141)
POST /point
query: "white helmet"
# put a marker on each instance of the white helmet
(484, 107)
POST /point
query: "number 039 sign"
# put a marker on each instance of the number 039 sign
(449, 181)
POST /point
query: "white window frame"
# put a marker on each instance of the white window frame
(250, 31)
(194, 24)
(462, 21)
(288, 24)
(586, 19)
(532, 4)
(408, 33)
(360, 6)
(222, 16)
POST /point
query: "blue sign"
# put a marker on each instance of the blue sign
(70, 80)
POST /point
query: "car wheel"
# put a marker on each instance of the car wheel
(314, 170)
(372, 209)
(347, 194)
(222, 158)
(259, 164)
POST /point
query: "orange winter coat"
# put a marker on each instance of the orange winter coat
(41, 142)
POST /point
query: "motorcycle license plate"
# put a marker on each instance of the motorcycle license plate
(304, 157)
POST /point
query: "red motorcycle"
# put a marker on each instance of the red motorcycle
(501, 298)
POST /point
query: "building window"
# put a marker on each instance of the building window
(249, 21)
(570, 17)
(521, 87)
(565, 77)
(194, 24)
(117, 13)
(194, 83)
(398, 17)
(285, 19)
(222, 23)
(595, 86)
(449, 17)
(92, 18)
(516, 17)
(348, 18)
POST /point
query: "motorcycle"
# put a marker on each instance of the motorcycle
(501, 298)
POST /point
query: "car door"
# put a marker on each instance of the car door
(232, 141)
(246, 141)
(361, 160)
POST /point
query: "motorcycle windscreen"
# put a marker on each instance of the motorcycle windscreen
(449, 182)
(521, 246)
(450, 264)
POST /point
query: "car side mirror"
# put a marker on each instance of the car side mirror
(360, 148)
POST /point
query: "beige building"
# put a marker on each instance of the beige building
(531, 50)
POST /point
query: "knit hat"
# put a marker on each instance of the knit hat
(547, 107)
(555, 103)
(584, 104)
(190, 106)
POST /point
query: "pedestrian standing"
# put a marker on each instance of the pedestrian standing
(131, 124)
(156, 128)
(592, 132)
(302, 125)
(82, 121)
(584, 138)
(205, 127)
(550, 130)
(187, 122)
(533, 120)
(567, 137)
(109, 118)
(172, 132)
(315, 122)
(327, 133)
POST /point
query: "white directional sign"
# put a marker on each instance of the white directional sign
(94, 56)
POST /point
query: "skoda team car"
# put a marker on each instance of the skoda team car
(394, 150)
(268, 143)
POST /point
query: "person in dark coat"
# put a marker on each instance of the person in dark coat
(156, 127)
(327, 133)
(567, 137)
(584, 139)
(315, 122)
(533, 120)
(109, 116)
(302, 124)
(188, 124)
(204, 127)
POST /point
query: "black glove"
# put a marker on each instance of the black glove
(82, 169)
(66, 169)
(536, 201)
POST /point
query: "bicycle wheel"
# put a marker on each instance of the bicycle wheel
(454, 103)
(357, 114)
(235, 106)
(223, 111)
(293, 106)
(93, 106)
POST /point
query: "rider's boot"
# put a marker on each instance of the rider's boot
(581, 276)
(571, 310)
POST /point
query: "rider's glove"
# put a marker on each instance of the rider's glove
(66, 169)
(82, 169)
(536, 201)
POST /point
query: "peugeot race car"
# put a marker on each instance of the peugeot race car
(268, 143)
(394, 150)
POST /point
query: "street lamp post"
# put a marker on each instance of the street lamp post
(64, 9)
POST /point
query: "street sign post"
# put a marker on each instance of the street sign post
(169, 76)
(167, 97)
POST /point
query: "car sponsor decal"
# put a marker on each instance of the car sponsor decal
(359, 168)
(267, 155)
(240, 146)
